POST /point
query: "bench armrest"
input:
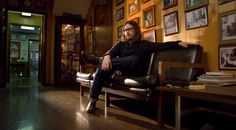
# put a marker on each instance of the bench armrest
(163, 65)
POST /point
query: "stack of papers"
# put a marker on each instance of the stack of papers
(218, 79)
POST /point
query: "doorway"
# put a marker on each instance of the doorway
(24, 42)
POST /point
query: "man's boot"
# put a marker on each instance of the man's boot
(91, 107)
(90, 59)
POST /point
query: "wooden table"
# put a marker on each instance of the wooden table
(225, 95)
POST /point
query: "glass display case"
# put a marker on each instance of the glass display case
(68, 44)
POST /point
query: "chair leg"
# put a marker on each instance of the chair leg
(160, 110)
(107, 99)
(81, 91)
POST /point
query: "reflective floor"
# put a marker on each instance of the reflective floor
(26, 105)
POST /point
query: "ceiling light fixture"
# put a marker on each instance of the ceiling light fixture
(27, 27)
(26, 14)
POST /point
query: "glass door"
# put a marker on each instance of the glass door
(68, 43)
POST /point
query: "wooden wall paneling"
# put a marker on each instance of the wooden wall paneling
(103, 27)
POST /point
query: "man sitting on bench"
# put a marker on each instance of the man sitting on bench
(127, 56)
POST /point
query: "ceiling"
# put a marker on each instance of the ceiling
(71, 6)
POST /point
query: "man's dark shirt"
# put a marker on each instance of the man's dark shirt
(142, 49)
(139, 49)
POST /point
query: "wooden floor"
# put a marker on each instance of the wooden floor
(26, 105)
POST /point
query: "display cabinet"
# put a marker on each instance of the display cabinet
(69, 40)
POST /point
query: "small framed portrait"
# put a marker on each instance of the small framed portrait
(193, 4)
(149, 19)
(120, 14)
(227, 57)
(224, 1)
(119, 31)
(227, 27)
(118, 2)
(149, 35)
(133, 7)
(171, 23)
(169, 3)
(196, 18)
(136, 20)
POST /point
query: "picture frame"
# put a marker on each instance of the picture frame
(120, 14)
(119, 31)
(227, 57)
(118, 2)
(196, 18)
(137, 20)
(149, 18)
(149, 35)
(193, 4)
(227, 27)
(169, 3)
(171, 23)
(224, 1)
(133, 7)
(15, 50)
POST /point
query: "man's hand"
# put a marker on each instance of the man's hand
(184, 44)
(106, 63)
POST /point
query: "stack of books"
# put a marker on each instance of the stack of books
(218, 79)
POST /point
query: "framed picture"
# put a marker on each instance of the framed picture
(133, 7)
(149, 35)
(171, 23)
(149, 17)
(224, 1)
(118, 2)
(120, 14)
(227, 27)
(119, 31)
(136, 20)
(196, 18)
(169, 3)
(193, 4)
(15, 50)
(227, 57)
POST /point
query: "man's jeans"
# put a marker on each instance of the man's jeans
(127, 65)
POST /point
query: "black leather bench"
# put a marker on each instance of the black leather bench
(175, 66)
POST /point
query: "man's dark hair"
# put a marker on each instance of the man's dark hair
(137, 31)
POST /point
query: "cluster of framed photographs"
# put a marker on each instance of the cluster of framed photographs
(148, 15)
(227, 45)
(196, 15)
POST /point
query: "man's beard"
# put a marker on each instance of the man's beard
(131, 40)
